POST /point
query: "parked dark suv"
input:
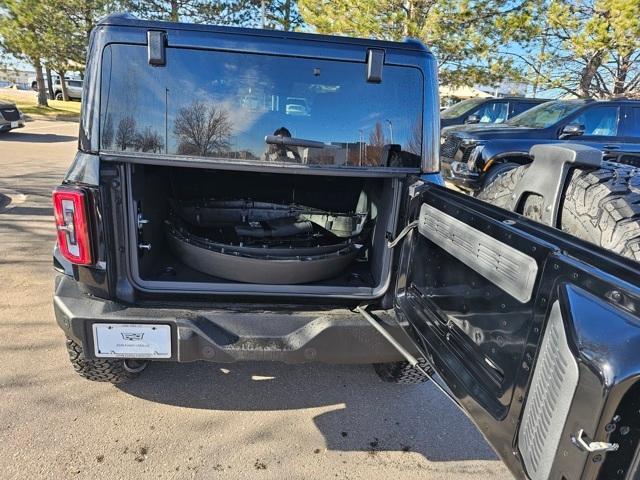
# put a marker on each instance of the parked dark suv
(235, 196)
(486, 110)
(10, 116)
(473, 155)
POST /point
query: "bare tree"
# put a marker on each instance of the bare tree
(126, 133)
(376, 144)
(376, 137)
(149, 141)
(107, 132)
(415, 142)
(202, 129)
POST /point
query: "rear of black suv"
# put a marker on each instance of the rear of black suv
(250, 195)
(233, 194)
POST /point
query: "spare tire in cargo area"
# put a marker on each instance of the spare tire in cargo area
(261, 242)
(601, 206)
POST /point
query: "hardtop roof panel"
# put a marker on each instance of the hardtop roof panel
(128, 20)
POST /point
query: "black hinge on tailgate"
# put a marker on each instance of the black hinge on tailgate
(156, 48)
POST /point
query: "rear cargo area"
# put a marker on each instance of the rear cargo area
(218, 231)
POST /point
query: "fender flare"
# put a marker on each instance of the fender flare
(514, 155)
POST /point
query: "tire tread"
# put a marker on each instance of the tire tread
(601, 206)
(402, 372)
(98, 370)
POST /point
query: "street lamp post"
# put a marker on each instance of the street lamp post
(390, 128)
(166, 120)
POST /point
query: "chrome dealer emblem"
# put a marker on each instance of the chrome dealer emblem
(132, 337)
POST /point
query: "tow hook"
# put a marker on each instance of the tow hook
(134, 366)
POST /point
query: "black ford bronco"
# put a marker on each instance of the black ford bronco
(257, 195)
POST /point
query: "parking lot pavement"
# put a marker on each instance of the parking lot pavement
(254, 420)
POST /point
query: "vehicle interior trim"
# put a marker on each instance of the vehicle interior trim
(511, 270)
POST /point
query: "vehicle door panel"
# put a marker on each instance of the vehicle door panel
(511, 313)
(602, 125)
(609, 146)
(627, 149)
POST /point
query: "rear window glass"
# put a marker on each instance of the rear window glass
(520, 107)
(633, 123)
(260, 108)
(461, 107)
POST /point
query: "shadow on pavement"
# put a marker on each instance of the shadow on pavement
(38, 184)
(36, 137)
(4, 201)
(47, 211)
(369, 415)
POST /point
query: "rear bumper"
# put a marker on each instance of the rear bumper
(236, 333)
(5, 125)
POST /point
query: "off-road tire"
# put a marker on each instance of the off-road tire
(601, 206)
(496, 171)
(402, 372)
(99, 370)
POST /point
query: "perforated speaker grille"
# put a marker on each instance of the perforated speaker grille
(554, 383)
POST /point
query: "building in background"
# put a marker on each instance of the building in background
(507, 88)
(452, 95)
(10, 77)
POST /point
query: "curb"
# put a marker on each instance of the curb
(52, 118)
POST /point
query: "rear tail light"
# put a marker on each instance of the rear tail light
(70, 208)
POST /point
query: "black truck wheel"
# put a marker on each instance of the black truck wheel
(402, 372)
(601, 206)
(102, 370)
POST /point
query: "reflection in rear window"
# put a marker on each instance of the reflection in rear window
(260, 108)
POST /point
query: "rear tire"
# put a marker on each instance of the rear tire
(59, 96)
(600, 206)
(497, 170)
(402, 372)
(102, 370)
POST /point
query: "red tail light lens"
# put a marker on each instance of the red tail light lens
(70, 208)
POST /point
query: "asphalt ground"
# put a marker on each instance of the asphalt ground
(201, 420)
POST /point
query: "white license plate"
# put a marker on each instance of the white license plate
(117, 340)
(15, 124)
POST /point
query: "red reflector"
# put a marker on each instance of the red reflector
(70, 208)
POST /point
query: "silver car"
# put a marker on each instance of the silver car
(74, 89)
(10, 117)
